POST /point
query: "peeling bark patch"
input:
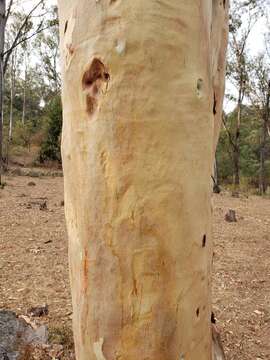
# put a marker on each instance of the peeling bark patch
(120, 47)
(204, 241)
(90, 104)
(97, 347)
(93, 79)
(94, 73)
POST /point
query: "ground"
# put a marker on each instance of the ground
(34, 262)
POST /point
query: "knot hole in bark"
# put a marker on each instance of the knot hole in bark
(93, 79)
(199, 88)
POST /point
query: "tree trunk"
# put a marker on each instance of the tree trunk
(2, 44)
(265, 122)
(140, 82)
(12, 84)
(11, 99)
(236, 158)
(25, 85)
(236, 149)
(263, 185)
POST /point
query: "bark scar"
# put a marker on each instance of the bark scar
(95, 76)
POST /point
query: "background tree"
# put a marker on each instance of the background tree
(28, 91)
(259, 95)
(24, 33)
(50, 148)
(237, 73)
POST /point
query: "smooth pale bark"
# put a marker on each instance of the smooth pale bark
(143, 85)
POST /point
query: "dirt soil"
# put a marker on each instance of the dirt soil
(34, 263)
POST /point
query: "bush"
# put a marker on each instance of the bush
(50, 148)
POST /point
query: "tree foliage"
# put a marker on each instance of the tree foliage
(50, 148)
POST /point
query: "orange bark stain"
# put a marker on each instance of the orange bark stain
(85, 271)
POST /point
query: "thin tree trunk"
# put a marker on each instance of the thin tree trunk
(12, 83)
(2, 44)
(138, 149)
(236, 161)
(236, 149)
(265, 122)
(24, 88)
(263, 185)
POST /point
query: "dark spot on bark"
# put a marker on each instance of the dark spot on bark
(199, 88)
(224, 3)
(66, 26)
(90, 104)
(198, 312)
(107, 76)
(215, 105)
(204, 241)
(199, 84)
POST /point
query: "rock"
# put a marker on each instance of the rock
(16, 335)
(3, 354)
(231, 216)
